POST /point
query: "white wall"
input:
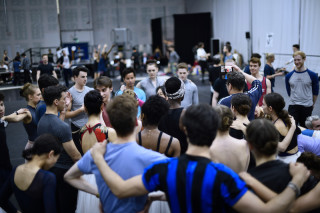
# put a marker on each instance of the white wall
(31, 23)
(34, 23)
(134, 15)
(290, 22)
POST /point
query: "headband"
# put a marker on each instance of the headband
(178, 94)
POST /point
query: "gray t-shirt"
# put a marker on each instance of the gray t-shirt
(77, 102)
(302, 86)
(148, 87)
(191, 94)
(51, 124)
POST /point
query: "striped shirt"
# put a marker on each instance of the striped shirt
(195, 184)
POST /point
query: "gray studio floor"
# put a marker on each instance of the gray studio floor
(17, 137)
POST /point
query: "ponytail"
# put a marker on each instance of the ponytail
(284, 115)
(27, 154)
(27, 89)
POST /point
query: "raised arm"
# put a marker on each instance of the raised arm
(215, 98)
(111, 49)
(249, 78)
(38, 74)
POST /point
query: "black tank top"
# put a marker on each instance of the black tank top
(170, 125)
(158, 144)
(293, 142)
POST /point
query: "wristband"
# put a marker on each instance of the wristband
(295, 188)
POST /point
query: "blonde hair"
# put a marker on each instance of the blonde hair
(269, 55)
(28, 89)
(182, 66)
(302, 54)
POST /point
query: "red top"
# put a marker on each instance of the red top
(264, 90)
(105, 117)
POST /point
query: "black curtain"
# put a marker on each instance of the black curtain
(156, 29)
(189, 30)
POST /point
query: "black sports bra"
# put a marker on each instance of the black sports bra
(158, 144)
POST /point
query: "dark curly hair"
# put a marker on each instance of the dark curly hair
(42, 145)
(237, 80)
(310, 160)
(53, 92)
(78, 69)
(153, 110)
(93, 101)
(201, 122)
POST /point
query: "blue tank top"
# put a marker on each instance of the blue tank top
(31, 128)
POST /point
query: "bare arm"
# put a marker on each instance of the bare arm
(38, 74)
(104, 48)
(314, 99)
(111, 49)
(268, 86)
(71, 114)
(260, 189)
(283, 145)
(73, 177)
(308, 201)
(67, 106)
(23, 115)
(71, 150)
(176, 147)
(122, 189)
(215, 98)
(54, 74)
(274, 75)
(249, 78)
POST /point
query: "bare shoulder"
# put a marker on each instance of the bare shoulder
(281, 127)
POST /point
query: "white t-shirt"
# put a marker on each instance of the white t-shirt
(201, 52)
(66, 62)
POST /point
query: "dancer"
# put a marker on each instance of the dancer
(149, 84)
(151, 137)
(192, 182)
(91, 133)
(33, 186)
(273, 105)
(32, 95)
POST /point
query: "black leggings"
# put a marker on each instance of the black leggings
(203, 65)
(66, 195)
(300, 113)
(76, 137)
